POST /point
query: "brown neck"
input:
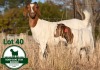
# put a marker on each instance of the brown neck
(33, 22)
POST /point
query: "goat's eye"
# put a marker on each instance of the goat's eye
(37, 7)
(28, 8)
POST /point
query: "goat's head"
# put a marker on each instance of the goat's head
(68, 35)
(11, 50)
(64, 32)
(58, 31)
(31, 10)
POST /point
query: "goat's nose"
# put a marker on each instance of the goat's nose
(32, 14)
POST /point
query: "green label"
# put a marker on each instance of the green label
(14, 57)
(14, 60)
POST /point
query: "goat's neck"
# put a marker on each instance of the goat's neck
(33, 22)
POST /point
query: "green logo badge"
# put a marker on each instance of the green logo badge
(14, 57)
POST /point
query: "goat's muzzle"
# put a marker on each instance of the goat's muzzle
(32, 15)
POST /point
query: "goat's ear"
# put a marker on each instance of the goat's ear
(25, 11)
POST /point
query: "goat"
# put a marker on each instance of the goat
(14, 54)
(77, 38)
(64, 32)
(43, 31)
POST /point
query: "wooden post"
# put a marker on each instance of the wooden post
(74, 8)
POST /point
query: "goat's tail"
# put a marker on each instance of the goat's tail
(87, 17)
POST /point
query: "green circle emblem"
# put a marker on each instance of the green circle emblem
(14, 57)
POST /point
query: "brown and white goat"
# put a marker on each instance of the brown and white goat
(64, 32)
(43, 31)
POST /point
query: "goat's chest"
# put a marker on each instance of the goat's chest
(40, 33)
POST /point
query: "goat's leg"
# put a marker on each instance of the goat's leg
(42, 47)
